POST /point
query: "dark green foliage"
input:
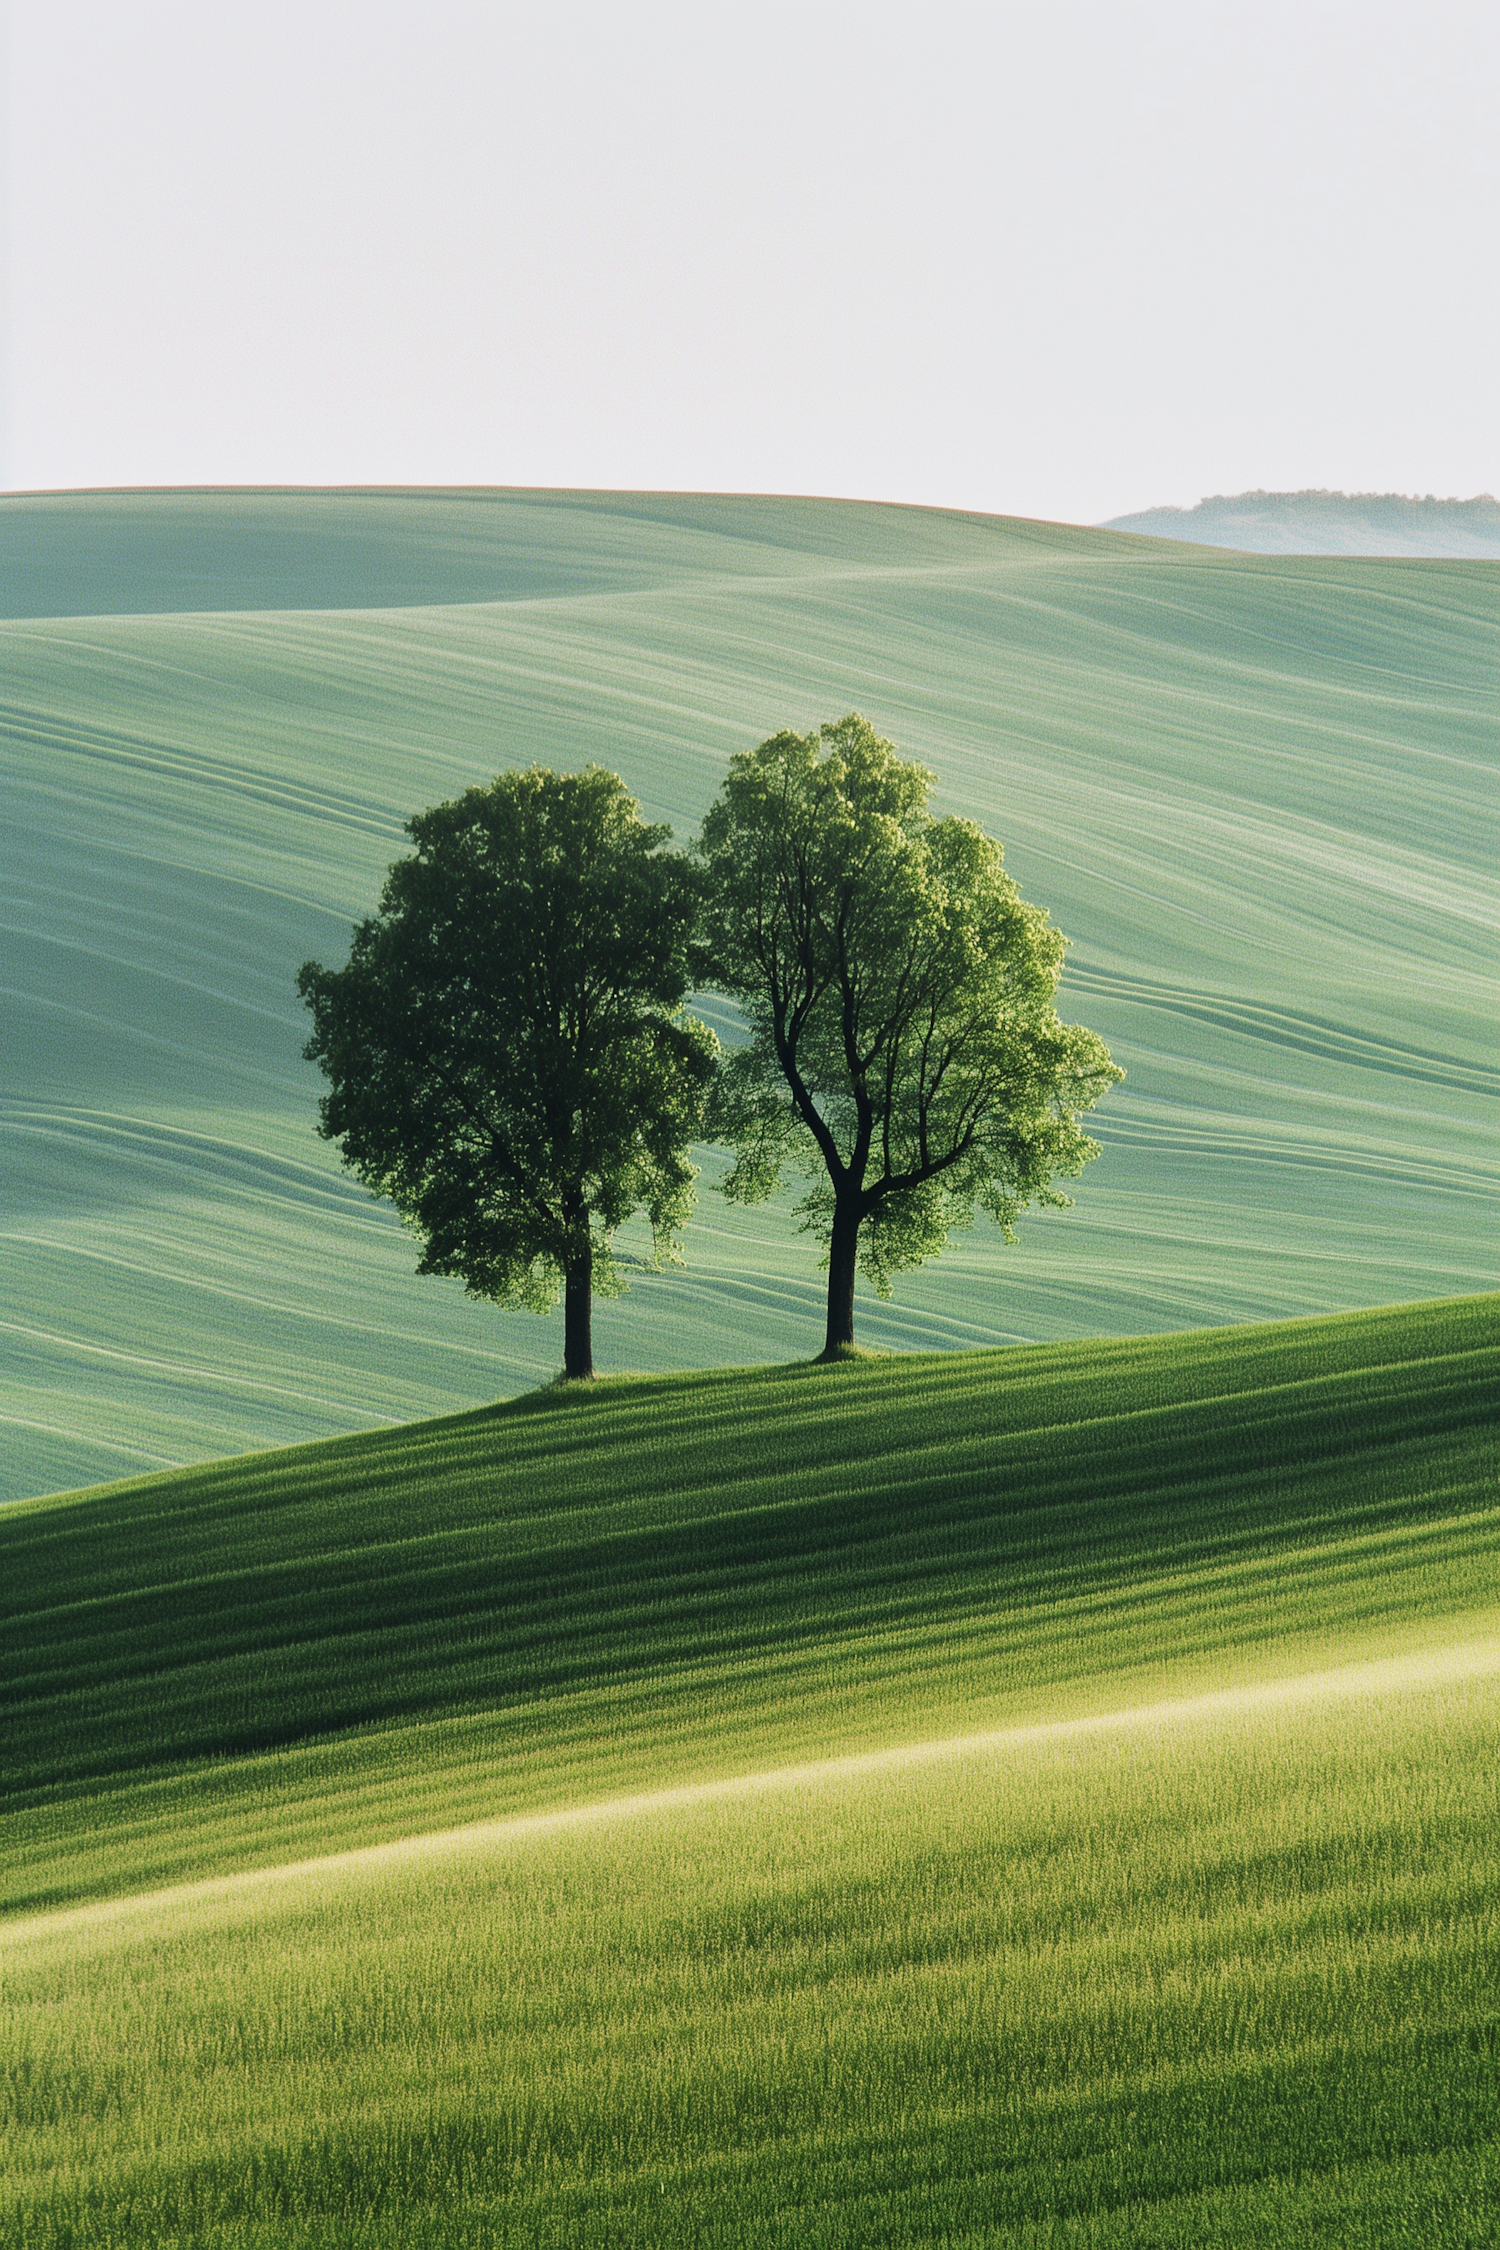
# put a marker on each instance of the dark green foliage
(508, 1058)
(904, 1050)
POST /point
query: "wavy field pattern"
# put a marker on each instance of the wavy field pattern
(1259, 794)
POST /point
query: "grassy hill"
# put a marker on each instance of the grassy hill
(1017, 1798)
(1258, 793)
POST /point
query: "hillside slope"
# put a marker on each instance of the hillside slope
(554, 1600)
(1260, 795)
(1160, 1905)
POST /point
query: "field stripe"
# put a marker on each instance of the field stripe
(1467, 1660)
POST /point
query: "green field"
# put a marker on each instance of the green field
(1040, 1797)
(1259, 793)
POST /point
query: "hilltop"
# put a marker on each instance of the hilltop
(1330, 523)
(553, 1599)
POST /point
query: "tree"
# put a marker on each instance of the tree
(904, 1050)
(506, 1051)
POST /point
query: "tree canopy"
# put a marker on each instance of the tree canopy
(506, 1049)
(904, 1049)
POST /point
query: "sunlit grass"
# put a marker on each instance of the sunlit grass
(690, 1576)
(1216, 1977)
(1041, 1799)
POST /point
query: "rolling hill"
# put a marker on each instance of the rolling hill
(1258, 793)
(1029, 1797)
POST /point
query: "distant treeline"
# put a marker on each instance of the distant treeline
(1330, 523)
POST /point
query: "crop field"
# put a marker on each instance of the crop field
(1041, 1797)
(1258, 792)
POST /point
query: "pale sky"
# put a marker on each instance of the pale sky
(1061, 260)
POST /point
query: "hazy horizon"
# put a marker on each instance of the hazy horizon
(1065, 268)
(1317, 521)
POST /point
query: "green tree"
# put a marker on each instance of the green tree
(506, 1050)
(904, 1050)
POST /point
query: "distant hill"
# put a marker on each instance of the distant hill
(1329, 523)
(1257, 793)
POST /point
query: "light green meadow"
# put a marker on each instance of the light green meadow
(1258, 792)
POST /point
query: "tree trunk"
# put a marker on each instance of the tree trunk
(842, 1252)
(578, 1316)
